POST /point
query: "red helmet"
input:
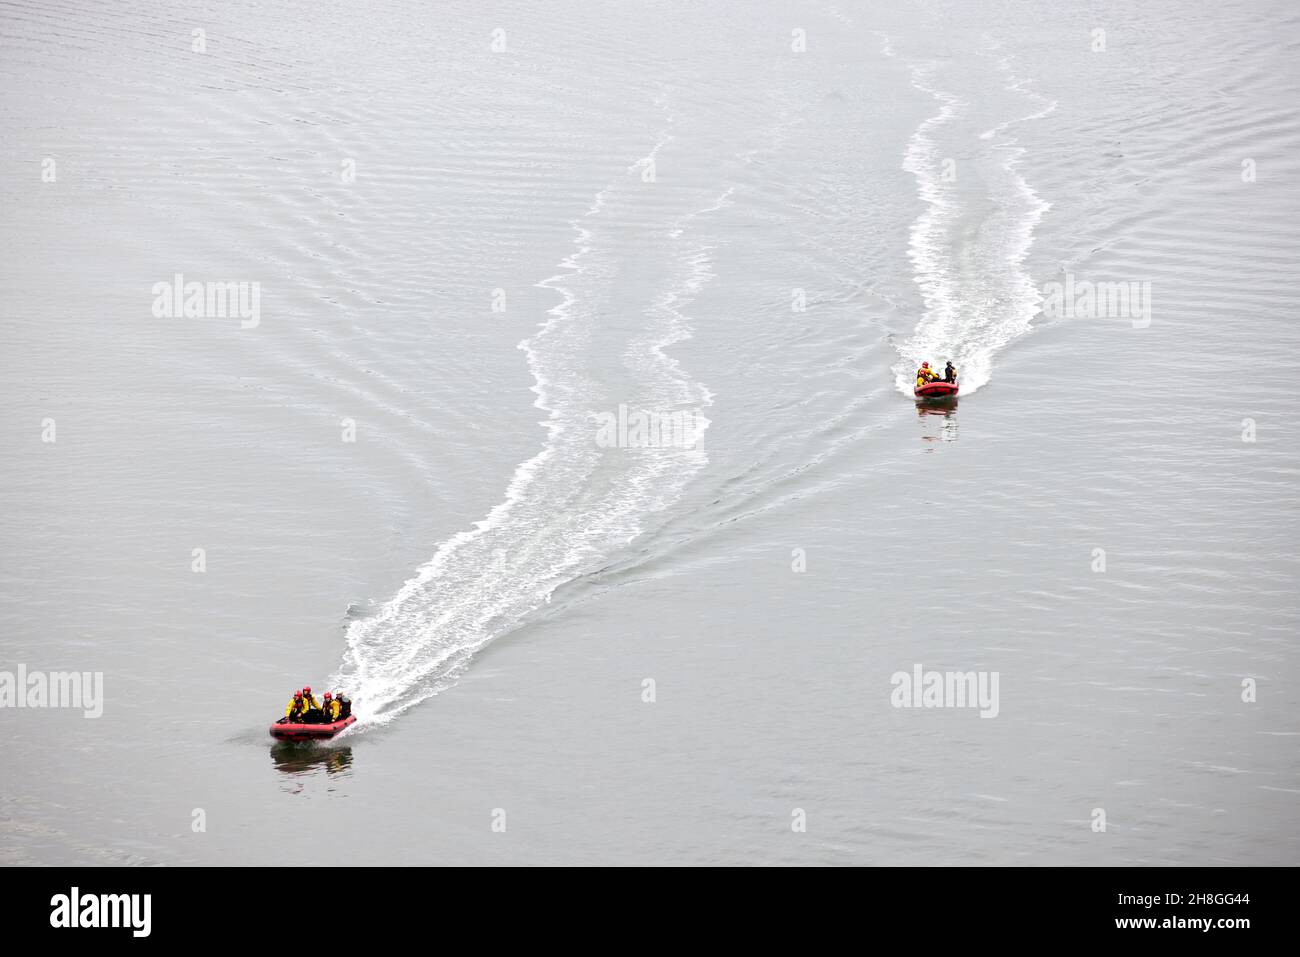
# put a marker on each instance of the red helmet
(306, 689)
(924, 365)
(328, 696)
(297, 696)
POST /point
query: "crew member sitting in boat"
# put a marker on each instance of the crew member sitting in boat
(296, 707)
(312, 713)
(925, 374)
(332, 708)
(950, 373)
(345, 706)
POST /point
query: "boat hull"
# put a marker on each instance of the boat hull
(936, 390)
(283, 730)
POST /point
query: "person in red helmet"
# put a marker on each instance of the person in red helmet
(925, 374)
(312, 713)
(296, 707)
(332, 708)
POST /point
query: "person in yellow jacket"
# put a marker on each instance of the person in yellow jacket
(332, 708)
(925, 374)
(310, 699)
(296, 707)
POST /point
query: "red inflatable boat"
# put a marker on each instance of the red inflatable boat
(936, 390)
(285, 731)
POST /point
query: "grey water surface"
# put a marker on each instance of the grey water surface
(476, 231)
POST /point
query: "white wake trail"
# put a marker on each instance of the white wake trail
(977, 294)
(567, 508)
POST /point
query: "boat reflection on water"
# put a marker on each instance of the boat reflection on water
(938, 421)
(294, 759)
